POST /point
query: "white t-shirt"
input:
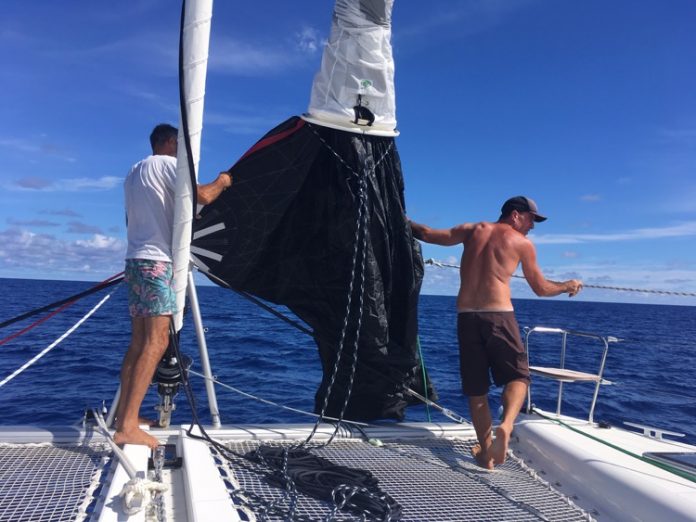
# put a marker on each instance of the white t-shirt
(149, 195)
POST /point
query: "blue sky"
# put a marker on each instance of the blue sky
(588, 107)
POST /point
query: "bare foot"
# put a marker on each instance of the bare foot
(498, 450)
(482, 457)
(136, 436)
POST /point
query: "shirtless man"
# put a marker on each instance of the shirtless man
(149, 196)
(489, 337)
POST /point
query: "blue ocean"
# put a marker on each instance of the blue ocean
(251, 350)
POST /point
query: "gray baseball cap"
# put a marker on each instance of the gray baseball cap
(522, 204)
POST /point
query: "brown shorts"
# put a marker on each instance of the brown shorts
(489, 340)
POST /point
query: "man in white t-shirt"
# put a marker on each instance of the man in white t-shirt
(149, 196)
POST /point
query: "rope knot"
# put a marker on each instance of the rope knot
(138, 492)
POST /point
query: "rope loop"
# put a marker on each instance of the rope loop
(137, 494)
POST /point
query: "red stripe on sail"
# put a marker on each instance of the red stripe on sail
(273, 139)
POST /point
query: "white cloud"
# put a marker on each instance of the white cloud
(470, 17)
(591, 198)
(27, 252)
(234, 57)
(64, 212)
(32, 223)
(36, 147)
(687, 229)
(309, 41)
(236, 123)
(685, 137)
(683, 201)
(66, 185)
(231, 56)
(77, 227)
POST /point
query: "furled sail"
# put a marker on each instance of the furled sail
(315, 221)
(193, 69)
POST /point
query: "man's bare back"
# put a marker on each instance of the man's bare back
(490, 257)
(492, 253)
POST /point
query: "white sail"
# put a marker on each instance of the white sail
(196, 39)
(357, 69)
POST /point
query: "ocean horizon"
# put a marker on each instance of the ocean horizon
(253, 351)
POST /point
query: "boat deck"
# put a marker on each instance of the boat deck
(427, 470)
(51, 482)
(430, 479)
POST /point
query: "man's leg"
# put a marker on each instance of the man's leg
(481, 417)
(148, 344)
(514, 395)
(135, 347)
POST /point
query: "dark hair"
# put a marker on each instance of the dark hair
(161, 133)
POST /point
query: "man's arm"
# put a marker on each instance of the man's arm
(441, 236)
(209, 192)
(542, 286)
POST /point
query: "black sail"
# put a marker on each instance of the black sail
(315, 219)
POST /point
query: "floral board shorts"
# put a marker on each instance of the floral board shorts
(150, 290)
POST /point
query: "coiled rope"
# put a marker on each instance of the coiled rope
(138, 492)
(433, 262)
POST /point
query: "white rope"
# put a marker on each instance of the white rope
(137, 492)
(125, 462)
(55, 343)
(602, 287)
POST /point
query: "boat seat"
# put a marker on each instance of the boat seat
(563, 374)
(566, 375)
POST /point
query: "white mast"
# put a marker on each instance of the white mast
(196, 39)
(195, 42)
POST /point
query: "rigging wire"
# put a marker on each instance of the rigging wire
(36, 323)
(106, 283)
(450, 414)
(434, 262)
(57, 341)
(271, 403)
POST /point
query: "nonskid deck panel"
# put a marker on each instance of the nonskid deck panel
(430, 478)
(50, 482)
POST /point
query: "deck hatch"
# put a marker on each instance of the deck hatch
(685, 461)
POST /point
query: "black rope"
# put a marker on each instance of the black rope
(51, 306)
(344, 491)
(258, 302)
(184, 113)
